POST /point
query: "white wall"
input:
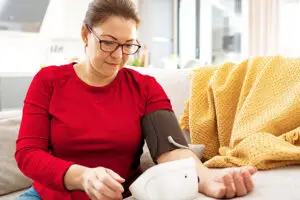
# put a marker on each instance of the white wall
(21, 52)
(187, 31)
(63, 18)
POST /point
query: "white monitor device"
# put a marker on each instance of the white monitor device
(175, 180)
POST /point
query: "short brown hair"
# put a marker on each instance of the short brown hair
(100, 10)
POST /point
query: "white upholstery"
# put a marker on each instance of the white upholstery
(11, 179)
(11, 196)
(176, 83)
(276, 184)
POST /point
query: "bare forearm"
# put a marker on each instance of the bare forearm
(73, 177)
(182, 154)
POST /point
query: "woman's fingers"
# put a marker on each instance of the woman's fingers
(102, 186)
(229, 184)
(248, 180)
(102, 191)
(93, 195)
(115, 176)
(110, 182)
(251, 169)
(240, 188)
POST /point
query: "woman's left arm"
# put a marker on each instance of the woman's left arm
(159, 122)
(160, 125)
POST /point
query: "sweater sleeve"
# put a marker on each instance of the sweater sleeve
(32, 146)
(157, 99)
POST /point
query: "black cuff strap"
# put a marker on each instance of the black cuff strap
(162, 133)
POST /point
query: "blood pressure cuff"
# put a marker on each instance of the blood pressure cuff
(157, 127)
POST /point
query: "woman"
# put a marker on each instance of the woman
(81, 131)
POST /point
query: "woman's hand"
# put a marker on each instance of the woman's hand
(228, 183)
(102, 184)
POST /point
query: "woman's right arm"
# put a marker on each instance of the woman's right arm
(32, 150)
(32, 146)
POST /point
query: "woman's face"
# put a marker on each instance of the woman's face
(107, 59)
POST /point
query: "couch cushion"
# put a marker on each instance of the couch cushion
(11, 179)
(12, 196)
(176, 83)
(275, 184)
(10, 114)
(281, 183)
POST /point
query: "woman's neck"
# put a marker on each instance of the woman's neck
(90, 76)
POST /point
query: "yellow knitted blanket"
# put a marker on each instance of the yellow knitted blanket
(247, 113)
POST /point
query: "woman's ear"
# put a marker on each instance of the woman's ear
(84, 34)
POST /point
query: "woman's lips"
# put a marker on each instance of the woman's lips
(112, 64)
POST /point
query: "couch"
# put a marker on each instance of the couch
(282, 183)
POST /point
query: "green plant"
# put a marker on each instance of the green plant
(135, 62)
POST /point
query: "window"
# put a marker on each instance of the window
(226, 31)
(188, 30)
(210, 31)
(289, 40)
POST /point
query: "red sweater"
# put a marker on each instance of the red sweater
(66, 121)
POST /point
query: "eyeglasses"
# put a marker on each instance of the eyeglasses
(111, 46)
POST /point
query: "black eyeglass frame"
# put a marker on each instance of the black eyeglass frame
(118, 44)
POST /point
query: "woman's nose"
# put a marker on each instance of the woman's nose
(117, 53)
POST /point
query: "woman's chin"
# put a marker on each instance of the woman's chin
(111, 71)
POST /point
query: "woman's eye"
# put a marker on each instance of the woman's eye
(128, 46)
(108, 43)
